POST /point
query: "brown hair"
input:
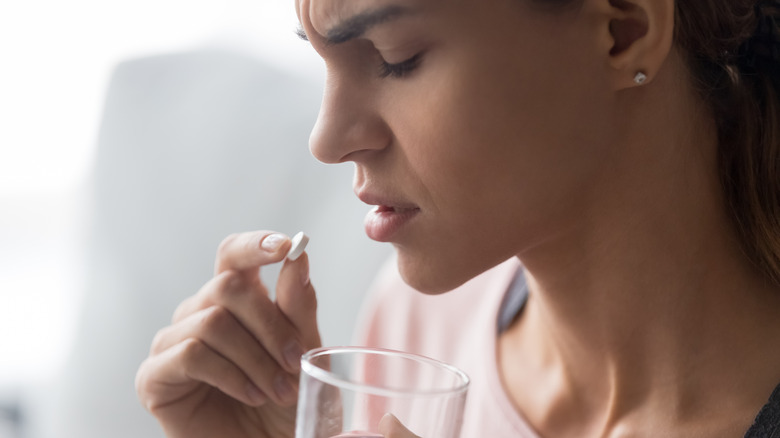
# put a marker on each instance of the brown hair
(733, 51)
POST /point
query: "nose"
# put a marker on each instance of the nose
(348, 125)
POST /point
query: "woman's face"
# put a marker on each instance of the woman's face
(476, 126)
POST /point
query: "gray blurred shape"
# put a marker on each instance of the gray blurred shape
(193, 147)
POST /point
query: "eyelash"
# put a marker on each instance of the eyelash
(401, 69)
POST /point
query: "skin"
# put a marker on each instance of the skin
(458, 164)
(531, 140)
(220, 368)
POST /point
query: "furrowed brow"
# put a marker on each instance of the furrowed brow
(356, 26)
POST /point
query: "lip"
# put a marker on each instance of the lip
(388, 217)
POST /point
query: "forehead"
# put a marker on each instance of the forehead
(322, 15)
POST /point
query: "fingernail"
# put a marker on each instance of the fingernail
(284, 390)
(273, 242)
(292, 354)
(255, 395)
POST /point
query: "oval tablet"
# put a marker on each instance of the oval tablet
(299, 242)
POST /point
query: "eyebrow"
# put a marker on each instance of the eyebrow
(357, 25)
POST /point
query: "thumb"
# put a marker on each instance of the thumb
(391, 427)
(297, 300)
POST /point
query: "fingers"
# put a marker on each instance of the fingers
(391, 427)
(255, 311)
(297, 300)
(220, 331)
(231, 335)
(177, 372)
(244, 251)
(223, 284)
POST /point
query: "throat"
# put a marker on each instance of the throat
(663, 366)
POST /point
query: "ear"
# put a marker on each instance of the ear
(639, 35)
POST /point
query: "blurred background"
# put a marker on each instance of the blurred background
(134, 136)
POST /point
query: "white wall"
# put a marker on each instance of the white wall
(133, 136)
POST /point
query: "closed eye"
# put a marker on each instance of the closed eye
(401, 69)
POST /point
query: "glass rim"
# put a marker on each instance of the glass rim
(333, 379)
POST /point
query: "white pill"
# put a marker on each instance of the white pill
(299, 242)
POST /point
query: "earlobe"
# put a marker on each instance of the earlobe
(642, 32)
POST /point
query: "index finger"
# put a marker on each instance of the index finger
(251, 250)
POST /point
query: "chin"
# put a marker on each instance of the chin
(437, 276)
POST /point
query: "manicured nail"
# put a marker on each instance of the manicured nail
(284, 390)
(292, 354)
(273, 242)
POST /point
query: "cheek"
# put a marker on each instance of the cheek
(467, 190)
(507, 154)
(522, 138)
(493, 145)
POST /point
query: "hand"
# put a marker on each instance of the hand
(228, 364)
(391, 427)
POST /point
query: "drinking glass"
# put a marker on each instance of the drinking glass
(346, 391)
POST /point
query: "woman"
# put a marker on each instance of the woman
(624, 152)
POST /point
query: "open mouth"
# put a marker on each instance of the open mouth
(392, 209)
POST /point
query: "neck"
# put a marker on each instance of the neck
(647, 301)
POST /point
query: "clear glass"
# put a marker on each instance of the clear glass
(346, 391)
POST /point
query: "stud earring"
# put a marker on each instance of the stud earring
(640, 78)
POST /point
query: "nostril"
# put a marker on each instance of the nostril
(322, 147)
(340, 138)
